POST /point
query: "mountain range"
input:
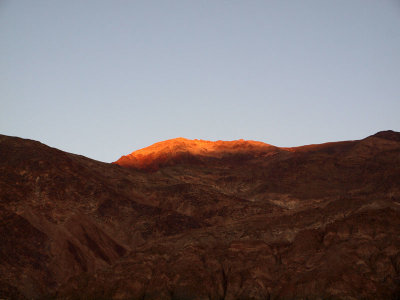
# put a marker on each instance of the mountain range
(195, 219)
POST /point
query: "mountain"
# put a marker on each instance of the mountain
(181, 149)
(193, 219)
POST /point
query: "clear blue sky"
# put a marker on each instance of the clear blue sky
(104, 78)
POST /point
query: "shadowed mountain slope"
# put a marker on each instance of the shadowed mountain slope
(193, 219)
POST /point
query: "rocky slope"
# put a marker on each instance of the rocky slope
(192, 219)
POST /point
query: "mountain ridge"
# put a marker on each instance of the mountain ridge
(157, 154)
(160, 153)
(322, 221)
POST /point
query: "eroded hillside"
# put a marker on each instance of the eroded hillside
(189, 219)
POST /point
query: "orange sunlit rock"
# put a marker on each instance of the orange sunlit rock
(170, 150)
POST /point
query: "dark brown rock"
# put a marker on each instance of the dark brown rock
(201, 220)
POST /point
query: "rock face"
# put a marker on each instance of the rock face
(192, 219)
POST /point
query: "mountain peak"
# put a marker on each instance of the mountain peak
(166, 151)
(388, 135)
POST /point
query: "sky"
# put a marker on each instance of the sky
(104, 78)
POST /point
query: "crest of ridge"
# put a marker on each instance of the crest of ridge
(151, 157)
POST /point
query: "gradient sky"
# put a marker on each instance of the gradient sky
(104, 78)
